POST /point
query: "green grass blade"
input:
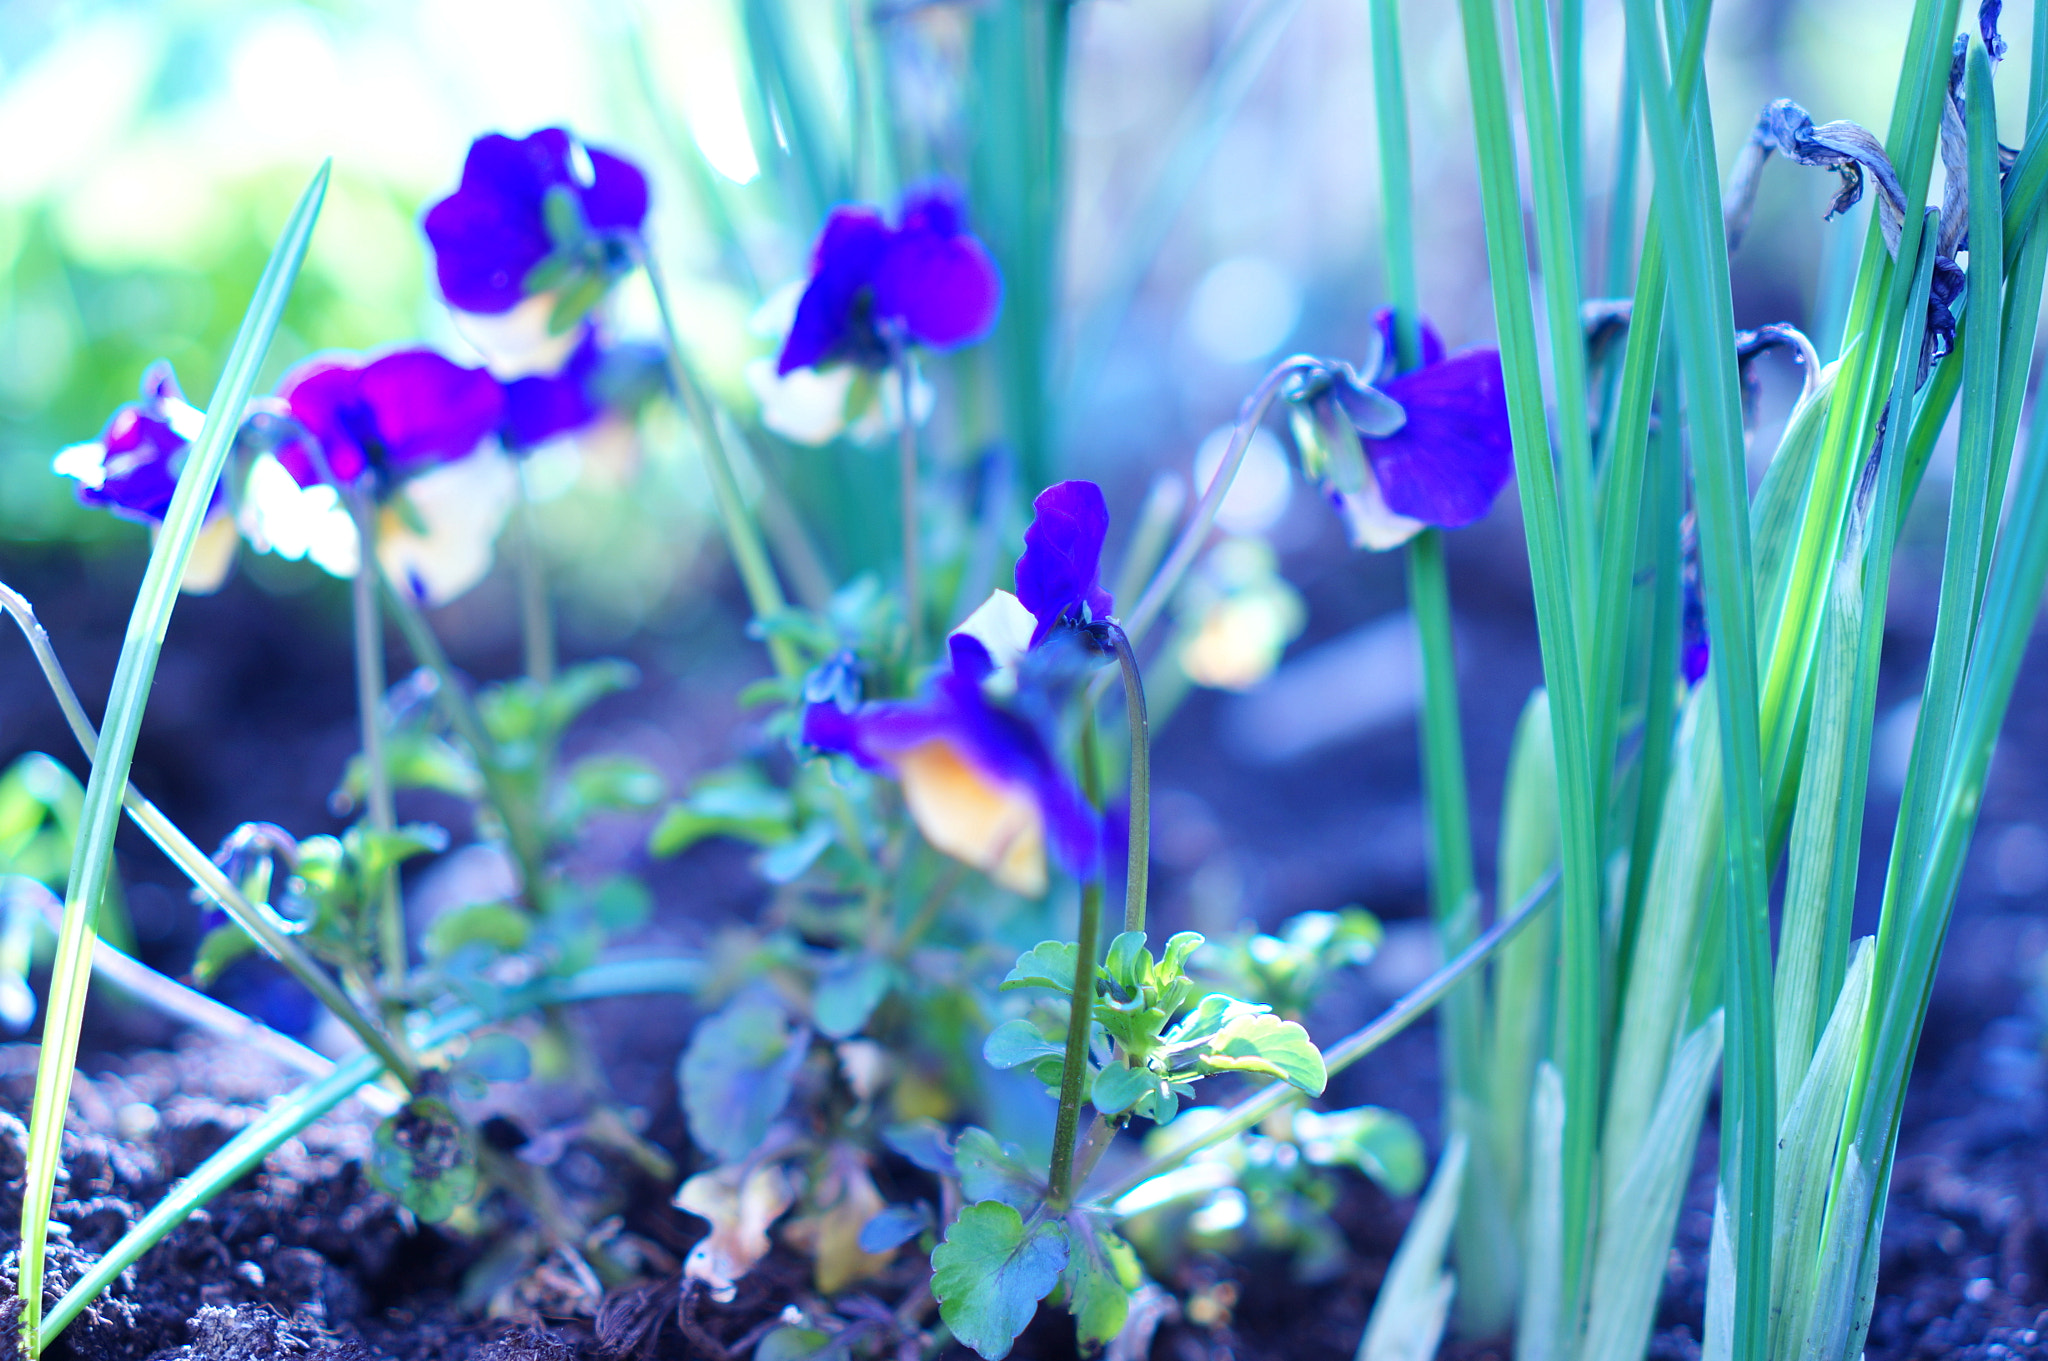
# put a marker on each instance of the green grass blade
(1414, 1301)
(1544, 1321)
(1628, 1268)
(92, 859)
(1580, 982)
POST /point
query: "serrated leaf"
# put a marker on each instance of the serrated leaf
(1179, 947)
(1381, 1143)
(1102, 1271)
(992, 1271)
(849, 989)
(992, 1170)
(1016, 1043)
(421, 1156)
(737, 1073)
(1263, 1043)
(1048, 964)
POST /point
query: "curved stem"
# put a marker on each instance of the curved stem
(369, 639)
(1138, 866)
(1161, 589)
(269, 930)
(1252, 1109)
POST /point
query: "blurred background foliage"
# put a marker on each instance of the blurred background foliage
(1220, 207)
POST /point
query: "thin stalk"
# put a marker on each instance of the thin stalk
(757, 574)
(370, 687)
(1074, 1069)
(1251, 1110)
(536, 616)
(1138, 867)
(92, 861)
(1167, 578)
(907, 485)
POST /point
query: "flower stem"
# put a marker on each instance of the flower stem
(369, 639)
(1138, 866)
(757, 574)
(1161, 589)
(906, 460)
(261, 923)
(1074, 1068)
(536, 617)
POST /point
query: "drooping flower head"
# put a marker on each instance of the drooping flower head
(522, 201)
(977, 770)
(926, 281)
(385, 419)
(1399, 453)
(598, 382)
(132, 470)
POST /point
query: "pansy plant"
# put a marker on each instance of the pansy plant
(1399, 453)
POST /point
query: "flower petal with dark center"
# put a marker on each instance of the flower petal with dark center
(1449, 461)
(1059, 574)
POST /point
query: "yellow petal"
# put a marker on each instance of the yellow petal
(992, 825)
(213, 553)
(741, 1206)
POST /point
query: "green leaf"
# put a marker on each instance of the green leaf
(790, 1343)
(421, 1156)
(497, 1057)
(1102, 1271)
(611, 783)
(1179, 947)
(1414, 1301)
(1015, 1043)
(992, 1271)
(785, 863)
(991, 1170)
(220, 947)
(1127, 962)
(737, 1073)
(1263, 1043)
(499, 926)
(1118, 1088)
(1381, 1143)
(416, 760)
(738, 804)
(375, 852)
(1048, 964)
(849, 990)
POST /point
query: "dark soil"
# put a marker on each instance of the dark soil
(252, 720)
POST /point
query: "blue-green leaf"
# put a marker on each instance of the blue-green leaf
(737, 1073)
(422, 1157)
(991, 1170)
(1015, 1043)
(1048, 964)
(1381, 1143)
(992, 1271)
(1102, 1271)
(849, 989)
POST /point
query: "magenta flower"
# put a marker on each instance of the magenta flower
(1400, 453)
(387, 419)
(927, 281)
(496, 229)
(132, 468)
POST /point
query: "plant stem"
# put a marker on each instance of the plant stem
(370, 686)
(1074, 1068)
(1138, 863)
(1161, 589)
(1250, 1110)
(536, 616)
(757, 574)
(907, 480)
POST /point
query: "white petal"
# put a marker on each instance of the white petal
(87, 462)
(1004, 627)
(517, 344)
(279, 516)
(461, 506)
(213, 553)
(806, 406)
(1370, 523)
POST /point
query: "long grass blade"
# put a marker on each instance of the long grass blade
(92, 859)
(1414, 1302)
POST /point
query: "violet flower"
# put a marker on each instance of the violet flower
(598, 383)
(1397, 454)
(132, 471)
(525, 202)
(388, 419)
(977, 771)
(927, 281)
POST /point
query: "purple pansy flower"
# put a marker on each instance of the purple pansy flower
(928, 280)
(1694, 651)
(132, 468)
(387, 419)
(977, 771)
(491, 234)
(1398, 453)
(979, 779)
(598, 381)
